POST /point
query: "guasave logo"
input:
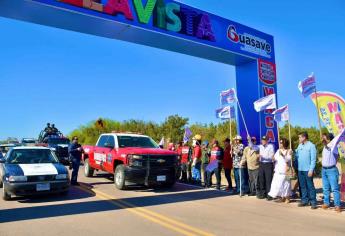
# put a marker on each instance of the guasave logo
(250, 43)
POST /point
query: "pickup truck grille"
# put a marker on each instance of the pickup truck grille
(159, 161)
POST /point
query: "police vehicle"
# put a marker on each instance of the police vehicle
(30, 171)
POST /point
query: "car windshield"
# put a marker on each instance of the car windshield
(58, 141)
(31, 156)
(133, 141)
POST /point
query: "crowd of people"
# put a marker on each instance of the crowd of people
(261, 171)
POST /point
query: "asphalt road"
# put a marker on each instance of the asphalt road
(97, 208)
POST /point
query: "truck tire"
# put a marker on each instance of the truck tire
(5, 196)
(119, 177)
(88, 170)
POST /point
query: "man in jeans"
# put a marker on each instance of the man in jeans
(306, 161)
(251, 156)
(330, 174)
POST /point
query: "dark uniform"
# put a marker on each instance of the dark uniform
(75, 157)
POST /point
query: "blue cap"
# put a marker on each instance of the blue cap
(205, 143)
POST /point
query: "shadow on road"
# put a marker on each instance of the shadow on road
(48, 211)
(74, 194)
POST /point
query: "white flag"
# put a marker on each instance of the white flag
(162, 142)
(281, 114)
(335, 142)
(265, 103)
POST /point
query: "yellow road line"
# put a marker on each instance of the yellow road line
(150, 215)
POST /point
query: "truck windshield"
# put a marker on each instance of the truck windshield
(133, 141)
(31, 156)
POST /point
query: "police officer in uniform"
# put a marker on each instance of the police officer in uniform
(75, 151)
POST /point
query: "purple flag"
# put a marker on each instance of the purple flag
(212, 166)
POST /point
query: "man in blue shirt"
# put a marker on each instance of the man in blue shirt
(306, 161)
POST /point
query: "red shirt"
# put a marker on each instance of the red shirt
(197, 152)
(227, 161)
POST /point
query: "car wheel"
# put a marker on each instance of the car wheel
(5, 196)
(88, 170)
(119, 177)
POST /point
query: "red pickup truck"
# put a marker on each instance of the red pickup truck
(133, 159)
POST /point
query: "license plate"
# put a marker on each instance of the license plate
(43, 187)
(161, 178)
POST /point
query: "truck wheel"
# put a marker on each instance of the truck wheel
(88, 170)
(5, 195)
(119, 177)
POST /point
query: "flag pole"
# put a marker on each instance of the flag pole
(318, 112)
(244, 122)
(230, 127)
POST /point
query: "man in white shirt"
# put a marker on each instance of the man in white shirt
(265, 169)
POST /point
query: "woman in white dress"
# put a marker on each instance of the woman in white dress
(281, 184)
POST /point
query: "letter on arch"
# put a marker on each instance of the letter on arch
(113, 7)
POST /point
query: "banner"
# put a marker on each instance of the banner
(226, 113)
(281, 114)
(265, 103)
(332, 113)
(212, 166)
(228, 97)
(307, 86)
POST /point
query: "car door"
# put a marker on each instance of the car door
(99, 153)
(109, 151)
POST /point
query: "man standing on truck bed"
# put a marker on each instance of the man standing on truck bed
(75, 151)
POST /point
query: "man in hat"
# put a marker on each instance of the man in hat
(251, 157)
(196, 160)
(239, 168)
(266, 152)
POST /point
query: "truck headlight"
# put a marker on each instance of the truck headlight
(61, 176)
(14, 178)
(135, 160)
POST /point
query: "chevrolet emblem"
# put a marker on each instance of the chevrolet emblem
(160, 161)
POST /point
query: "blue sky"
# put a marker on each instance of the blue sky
(68, 78)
